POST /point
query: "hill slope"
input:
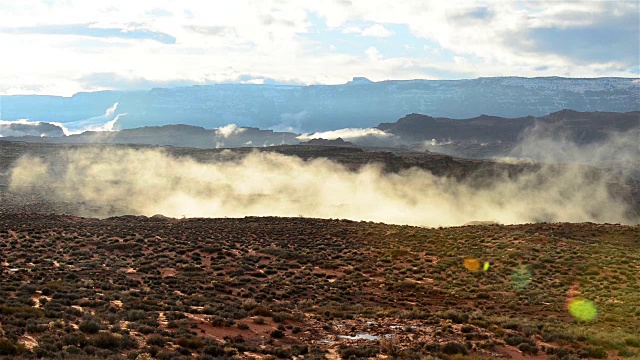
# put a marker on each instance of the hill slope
(290, 286)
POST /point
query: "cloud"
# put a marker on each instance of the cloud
(373, 53)
(97, 81)
(480, 13)
(25, 127)
(301, 41)
(550, 144)
(212, 30)
(229, 130)
(376, 30)
(138, 182)
(104, 122)
(291, 122)
(130, 32)
(352, 30)
(597, 43)
(366, 137)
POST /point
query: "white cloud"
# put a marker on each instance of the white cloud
(367, 137)
(373, 53)
(352, 30)
(228, 130)
(218, 41)
(376, 30)
(105, 122)
(346, 134)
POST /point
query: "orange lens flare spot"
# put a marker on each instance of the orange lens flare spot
(472, 264)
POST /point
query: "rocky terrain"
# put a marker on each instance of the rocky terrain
(136, 287)
(141, 288)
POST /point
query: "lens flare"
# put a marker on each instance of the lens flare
(472, 264)
(521, 277)
(485, 267)
(582, 309)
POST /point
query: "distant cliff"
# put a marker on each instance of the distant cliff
(359, 103)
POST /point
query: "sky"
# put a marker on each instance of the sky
(60, 47)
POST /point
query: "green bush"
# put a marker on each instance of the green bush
(107, 340)
(358, 352)
(190, 343)
(8, 347)
(452, 348)
(156, 340)
(528, 348)
(277, 334)
(261, 311)
(597, 353)
(89, 327)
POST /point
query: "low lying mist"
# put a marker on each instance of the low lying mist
(25, 127)
(150, 181)
(358, 136)
(547, 143)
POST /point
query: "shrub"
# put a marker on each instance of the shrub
(277, 334)
(167, 355)
(89, 327)
(214, 350)
(8, 347)
(249, 305)
(626, 353)
(156, 340)
(452, 348)
(635, 342)
(75, 338)
(597, 353)
(191, 343)
(358, 352)
(261, 311)
(528, 348)
(390, 347)
(515, 340)
(107, 340)
(456, 317)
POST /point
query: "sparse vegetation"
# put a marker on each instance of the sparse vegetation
(168, 288)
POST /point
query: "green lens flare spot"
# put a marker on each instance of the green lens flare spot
(582, 309)
(486, 266)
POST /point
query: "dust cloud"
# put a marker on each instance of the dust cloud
(150, 181)
(546, 143)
